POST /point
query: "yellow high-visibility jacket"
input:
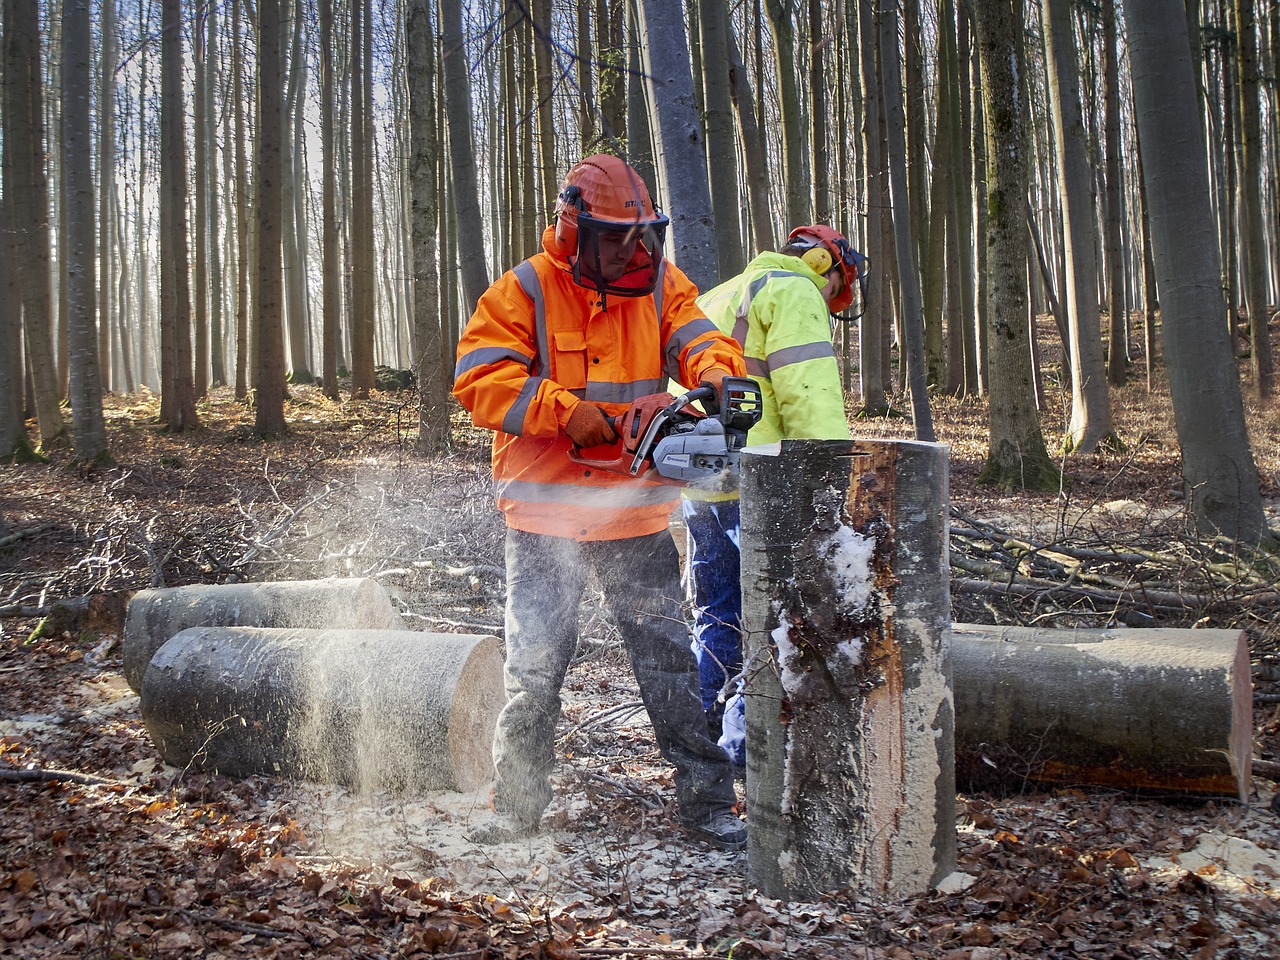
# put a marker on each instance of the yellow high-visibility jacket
(776, 311)
(539, 344)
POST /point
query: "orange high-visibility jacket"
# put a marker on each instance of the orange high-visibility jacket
(539, 344)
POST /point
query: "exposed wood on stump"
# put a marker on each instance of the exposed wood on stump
(369, 708)
(850, 768)
(1162, 709)
(156, 615)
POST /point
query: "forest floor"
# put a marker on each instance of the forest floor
(131, 858)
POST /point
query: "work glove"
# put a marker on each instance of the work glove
(713, 378)
(588, 426)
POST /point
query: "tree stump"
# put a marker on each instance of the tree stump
(1158, 709)
(368, 708)
(850, 763)
(156, 615)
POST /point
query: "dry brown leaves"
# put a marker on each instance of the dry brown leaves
(164, 863)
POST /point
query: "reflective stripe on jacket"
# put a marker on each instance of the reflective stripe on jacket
(539, 344)
(776, 311)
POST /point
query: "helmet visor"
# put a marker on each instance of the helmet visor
(619, 258)
(854, 267)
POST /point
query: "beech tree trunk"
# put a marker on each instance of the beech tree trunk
(908, 266)
(89, 430)
(156, 615)
(369, 708)
(850, 764)
(177, 374)
(1016, 452)
(24, 130)
(1217, 461)
(681, 148)
(1156, 709)
(269, 357)
(1090, 421)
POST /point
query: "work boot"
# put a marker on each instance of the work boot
(501, 828)
(722, 828)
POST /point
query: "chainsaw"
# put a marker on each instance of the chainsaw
(668, 440)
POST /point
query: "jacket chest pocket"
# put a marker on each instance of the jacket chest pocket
(570, 359)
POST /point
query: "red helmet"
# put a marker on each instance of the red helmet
(825, 249)
(608, 227)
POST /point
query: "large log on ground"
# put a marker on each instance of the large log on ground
(368, 708)
(1161, 709)
(850, 767)
(156, 615)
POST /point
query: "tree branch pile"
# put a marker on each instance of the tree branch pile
(1091, 577)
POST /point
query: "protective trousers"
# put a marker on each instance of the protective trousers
(640, 578)
(715, 578)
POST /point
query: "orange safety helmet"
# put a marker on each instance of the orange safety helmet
(609, 228)
(826, 248)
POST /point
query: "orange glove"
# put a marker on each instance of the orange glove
(588, 427)
(714, 377)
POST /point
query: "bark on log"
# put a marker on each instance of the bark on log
(156, 615)
(850, 764)
(369, 708)
(1162, 709)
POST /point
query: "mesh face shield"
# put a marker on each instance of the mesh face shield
(619, 259)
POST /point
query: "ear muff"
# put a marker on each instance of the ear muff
(818, 258)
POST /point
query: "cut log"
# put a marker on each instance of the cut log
(156, 615)
(1161, 709)
(367, 708)
(850, 769)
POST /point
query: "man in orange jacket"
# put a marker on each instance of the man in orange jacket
(554, 349)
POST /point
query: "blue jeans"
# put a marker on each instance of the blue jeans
(716, 591)
(640, 577)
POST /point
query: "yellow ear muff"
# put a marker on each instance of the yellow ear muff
(818, 258)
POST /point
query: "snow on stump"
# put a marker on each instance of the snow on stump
(850, 761)
(372, 709)
(156, 615)
(1160, 709)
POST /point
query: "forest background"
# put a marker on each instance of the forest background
(207, 194)
(240, 240)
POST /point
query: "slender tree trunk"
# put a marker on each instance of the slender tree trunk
(721, 140)
(1252, 236)
(981, 196)
(908, 272)
(462, 153)
(199, 158)
(363, 300)
(1016, 455)
(542, 44)
(874, 396)
(790, 105)
(823, 168)
(106, 188)
(13, 427)
(963, 314)
(242, 206)
(934, 267)
(611, 60)
(269, 373)
(753, 147)
(217, 337)
(89, 430)
(1090, 421)
(682, 152)
(1118, 341)
(330, 277)
(639, 127)
(918, 166)
(434, 372)
(177, 383)
(586, 99)
(1217, 462)
(1149, 294)
(24, 136)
